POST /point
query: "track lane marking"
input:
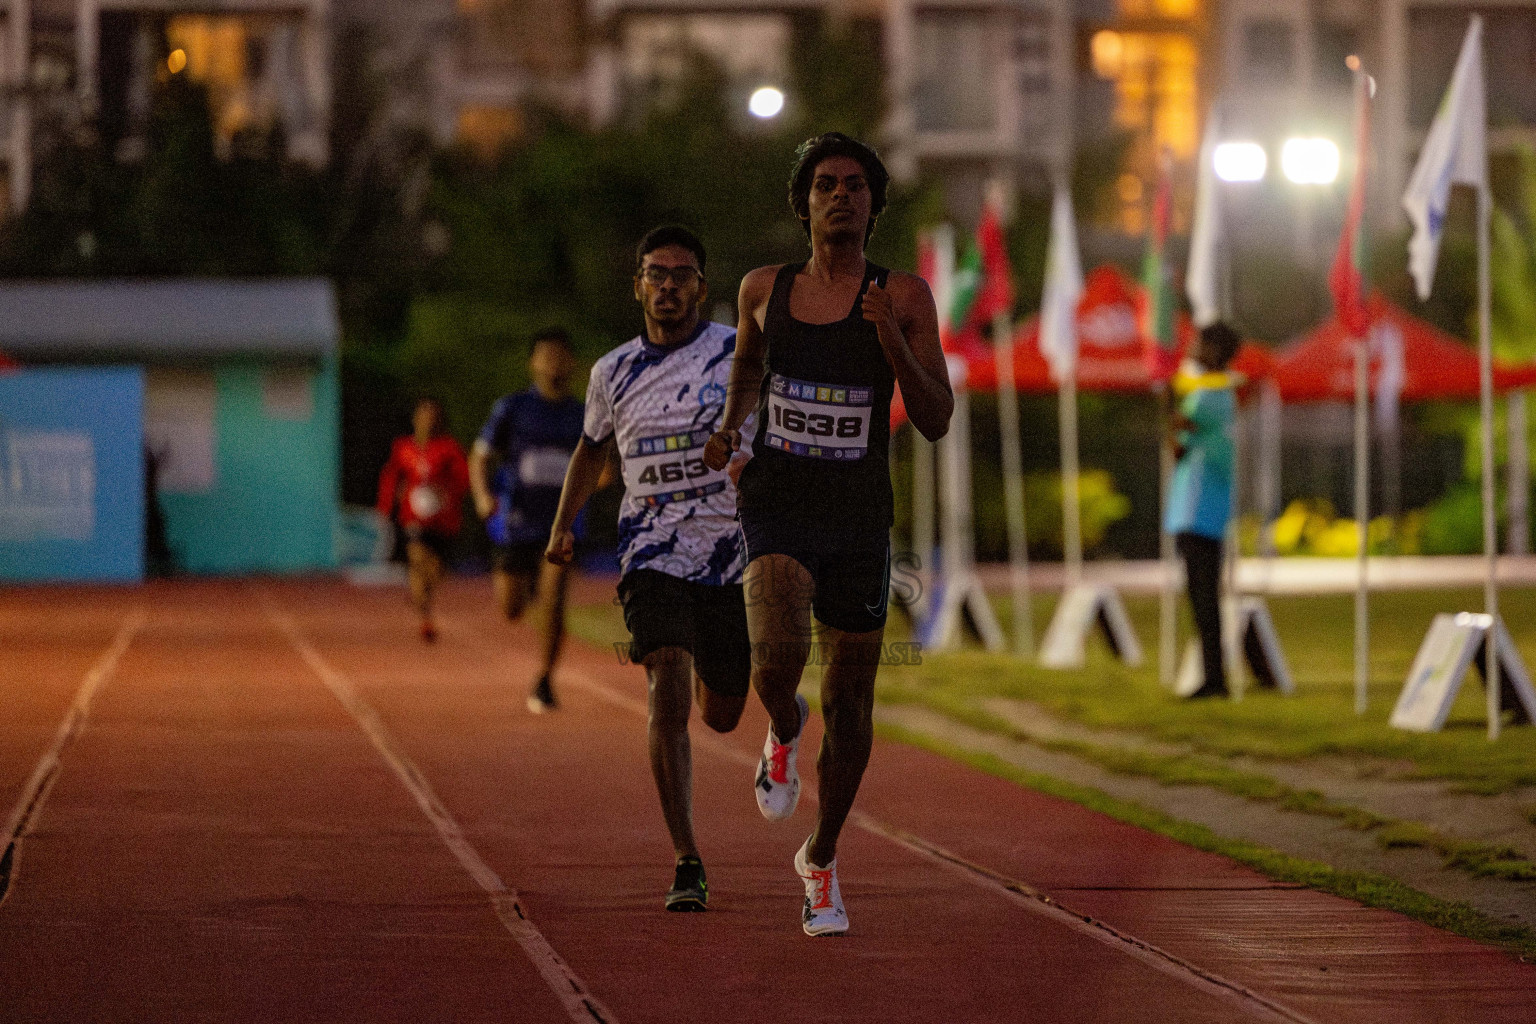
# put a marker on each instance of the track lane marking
(579, 1002)
(1017, 892)
(36, 791)
(1020, 893)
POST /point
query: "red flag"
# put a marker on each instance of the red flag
(1159, 340)
(996, 294)
(1346, 279)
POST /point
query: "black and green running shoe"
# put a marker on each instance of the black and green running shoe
(689, 892)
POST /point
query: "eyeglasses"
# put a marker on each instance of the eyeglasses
(683, 276)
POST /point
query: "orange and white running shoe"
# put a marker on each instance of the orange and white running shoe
(823, 913)
(777, 784)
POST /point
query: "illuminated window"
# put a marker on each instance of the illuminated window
(1155, 76)
(486, 130)
(248, 64)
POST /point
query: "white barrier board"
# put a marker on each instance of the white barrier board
(1260, 645)
(1081, 609)
(1453, 645)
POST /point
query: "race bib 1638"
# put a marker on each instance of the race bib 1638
(818, 421)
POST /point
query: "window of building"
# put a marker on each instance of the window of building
(249, 65)
(955, 86)
(1269, 53)
(1331, 44)
(751, 49)
(1509, 54)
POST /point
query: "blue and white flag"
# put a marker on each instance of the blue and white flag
(1455, 151)
(1200, 280)
(1063, 290)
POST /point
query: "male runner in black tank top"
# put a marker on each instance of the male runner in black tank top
(819, 349)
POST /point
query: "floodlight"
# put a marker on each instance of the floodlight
(1310, 161)
(766, 102)
(1240, 161)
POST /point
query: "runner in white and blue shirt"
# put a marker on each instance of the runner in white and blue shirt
(659, 405)
(656, 400)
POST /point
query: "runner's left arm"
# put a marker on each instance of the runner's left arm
(908, 324)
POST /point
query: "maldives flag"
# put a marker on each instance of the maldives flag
(983, 280)
(1159, 343)
(1346, 279)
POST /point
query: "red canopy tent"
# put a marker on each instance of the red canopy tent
(1109, 347)
(1321, 365)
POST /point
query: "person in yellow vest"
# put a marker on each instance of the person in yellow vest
(1200, 498)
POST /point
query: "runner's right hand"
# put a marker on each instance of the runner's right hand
(719, 448)
(562, 547)
(485, 505)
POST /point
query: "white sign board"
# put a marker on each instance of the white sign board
(1081, 609)
(960, 601)
(1248, 621)
(179, 412)
(47, 485)
(1454, 644)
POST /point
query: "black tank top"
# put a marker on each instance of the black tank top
(821, 452)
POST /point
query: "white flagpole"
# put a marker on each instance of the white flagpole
(1168, 623)
(1071, 510)
(1362, 523)
(1490, 522)
(1013, 486)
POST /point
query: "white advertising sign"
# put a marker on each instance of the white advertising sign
(1453, 645)
(1081, 609)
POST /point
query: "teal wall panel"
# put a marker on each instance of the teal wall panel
(274, 503)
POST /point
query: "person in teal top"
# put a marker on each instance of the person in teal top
(1200, 496)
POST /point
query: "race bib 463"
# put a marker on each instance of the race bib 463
(818, 421)
(660, 470)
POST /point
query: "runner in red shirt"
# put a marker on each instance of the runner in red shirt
(427, 476)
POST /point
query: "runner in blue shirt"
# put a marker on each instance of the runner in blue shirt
(516, 469)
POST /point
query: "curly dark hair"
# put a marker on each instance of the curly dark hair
(812, 152)
(669, 234)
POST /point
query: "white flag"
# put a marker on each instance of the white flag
(1063, 289)
(1200, 280)
(1456, 150)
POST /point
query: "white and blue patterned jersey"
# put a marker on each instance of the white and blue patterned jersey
(661, 405)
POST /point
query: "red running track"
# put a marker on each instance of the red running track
(279, 805)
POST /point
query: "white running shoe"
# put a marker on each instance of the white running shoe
(823, 913)
(777, 785)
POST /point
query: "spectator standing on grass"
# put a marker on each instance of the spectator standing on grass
(1200, 498)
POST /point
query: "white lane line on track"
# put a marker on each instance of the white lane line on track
(36, 791)
(578, 1000)
(1026, 896)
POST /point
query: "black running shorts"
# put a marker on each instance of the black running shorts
(518, 559)
(710, 622)
(852, 583)
(437, 543)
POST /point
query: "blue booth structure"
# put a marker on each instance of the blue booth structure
(237, 387)
(72, 474)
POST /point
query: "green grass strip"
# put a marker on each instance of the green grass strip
(1372, 890)
(1483, 860)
